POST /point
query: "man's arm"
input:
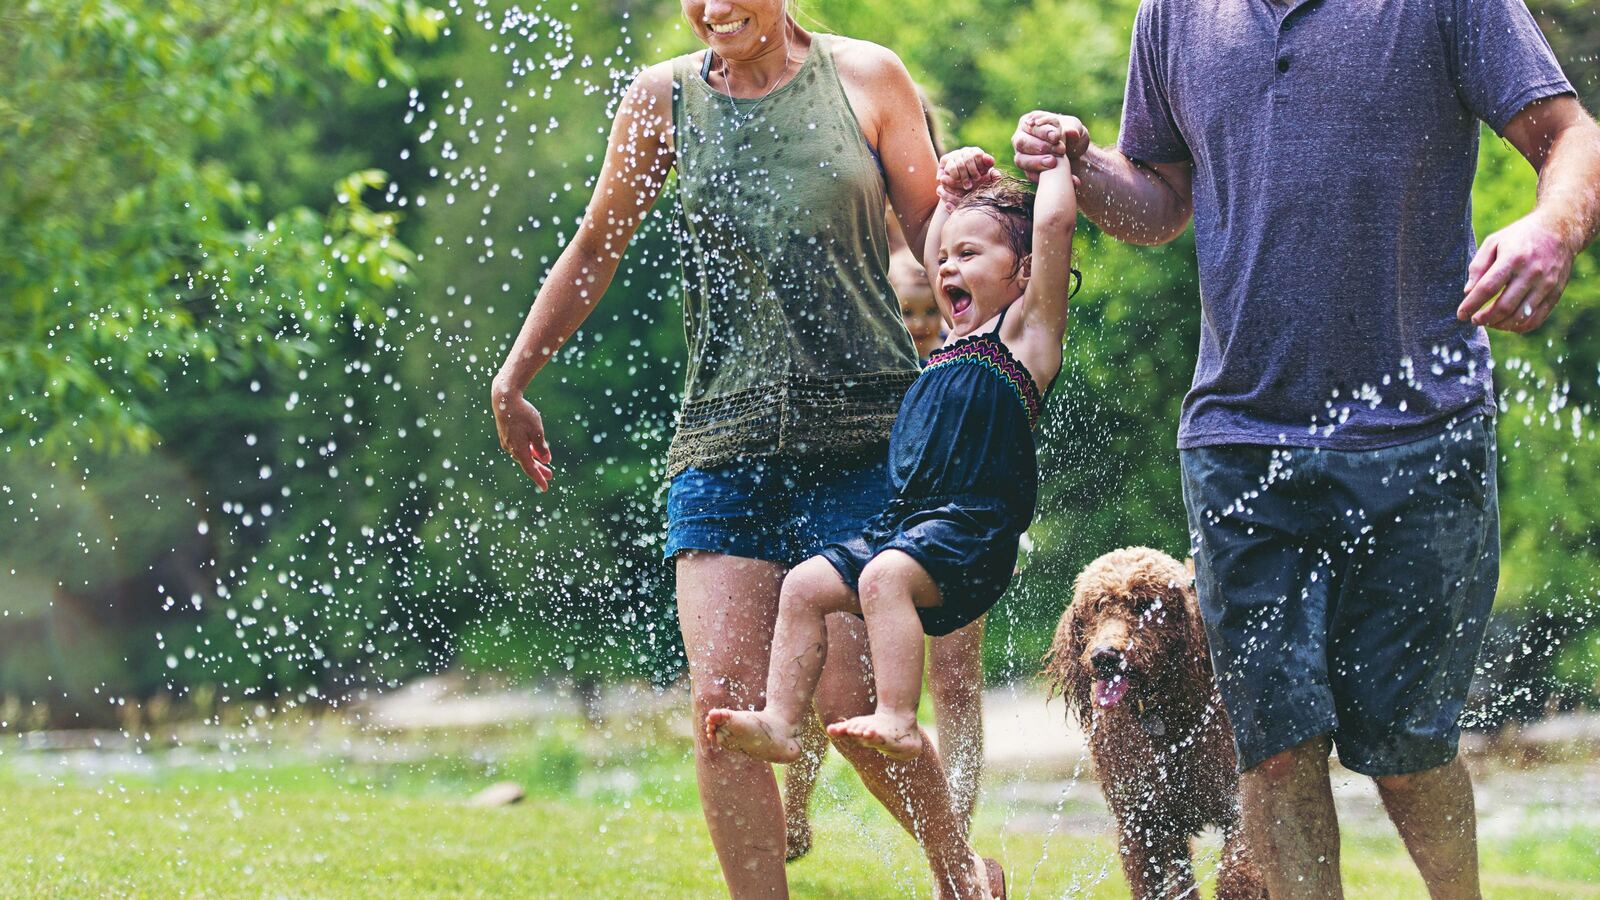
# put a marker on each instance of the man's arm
(1528, 262)
(1133, 201)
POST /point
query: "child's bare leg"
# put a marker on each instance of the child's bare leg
(893, 585)
(811, 591)
(799, 780)
(914, 792)
(955, 682)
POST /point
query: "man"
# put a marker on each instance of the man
(1337, 444)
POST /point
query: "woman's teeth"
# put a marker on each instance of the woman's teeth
(727, 27)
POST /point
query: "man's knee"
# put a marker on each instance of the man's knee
(1411, 783)
(1288, 764)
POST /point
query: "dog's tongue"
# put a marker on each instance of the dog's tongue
(1107, 693)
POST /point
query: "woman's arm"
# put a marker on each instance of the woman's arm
(638, 157)
(890, 113)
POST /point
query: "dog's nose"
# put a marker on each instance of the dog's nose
(1107, 661)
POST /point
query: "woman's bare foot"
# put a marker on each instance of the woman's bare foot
(755, 734)
(975, 882)
(894, 736)
(995, 875)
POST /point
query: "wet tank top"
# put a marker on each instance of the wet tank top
(795, 341)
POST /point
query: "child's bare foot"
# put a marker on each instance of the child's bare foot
(755, 734)
(896, 737)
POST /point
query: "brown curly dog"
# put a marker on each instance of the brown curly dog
(1130, 656)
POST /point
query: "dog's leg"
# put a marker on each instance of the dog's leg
(1237, 877)
(1155, 861)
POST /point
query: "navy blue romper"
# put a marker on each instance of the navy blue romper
(966, 479)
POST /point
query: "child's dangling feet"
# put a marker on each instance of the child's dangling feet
(895, 736)
(760, 735)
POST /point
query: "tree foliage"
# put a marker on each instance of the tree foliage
(247, 429)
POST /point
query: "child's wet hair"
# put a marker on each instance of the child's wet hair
(1008, 201)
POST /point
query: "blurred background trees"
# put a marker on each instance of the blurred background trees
(263, 257)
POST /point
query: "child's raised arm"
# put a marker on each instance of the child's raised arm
(1055, 218)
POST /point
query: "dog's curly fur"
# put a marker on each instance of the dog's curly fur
(1164, 752)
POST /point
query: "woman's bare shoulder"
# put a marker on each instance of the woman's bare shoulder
(654, 82)
(864, 59)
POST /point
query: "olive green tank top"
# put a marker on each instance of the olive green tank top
(795, 340)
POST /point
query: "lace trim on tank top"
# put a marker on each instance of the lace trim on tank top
(987, 350)
(842, 414)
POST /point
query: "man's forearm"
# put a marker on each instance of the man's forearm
(1129, 201)
(1569, 185)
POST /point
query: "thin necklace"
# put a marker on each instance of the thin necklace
(740, 121)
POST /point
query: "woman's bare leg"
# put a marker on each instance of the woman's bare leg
(726, 608)
(914, 792)
(799, 648)
(955, 682)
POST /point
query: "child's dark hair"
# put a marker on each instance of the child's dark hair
(1009, 201)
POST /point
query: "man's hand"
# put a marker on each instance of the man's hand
(963, 171)
(1042, 138)
(1527, 264)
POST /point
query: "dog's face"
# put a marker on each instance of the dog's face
(1132, 625)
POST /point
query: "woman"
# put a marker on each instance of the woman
(785, 145)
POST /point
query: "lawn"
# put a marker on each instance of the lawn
(606, 816)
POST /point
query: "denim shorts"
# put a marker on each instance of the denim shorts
(781, 509)
(1346, 593)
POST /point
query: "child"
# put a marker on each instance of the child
(962, 459)
(918, 307)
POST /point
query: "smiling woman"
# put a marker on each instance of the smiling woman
(786, 145)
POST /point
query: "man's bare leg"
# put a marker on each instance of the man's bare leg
(1290, 823)
(955, 682)
(726, 609)
(1433, 811)
(799, 647)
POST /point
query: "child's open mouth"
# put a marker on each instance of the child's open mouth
(960, 300)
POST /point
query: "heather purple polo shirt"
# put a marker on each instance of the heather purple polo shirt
(1334, 144)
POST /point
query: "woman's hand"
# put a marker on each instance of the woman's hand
(963, 171)
(521, 430)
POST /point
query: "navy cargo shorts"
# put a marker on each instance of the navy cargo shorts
(1346, 593)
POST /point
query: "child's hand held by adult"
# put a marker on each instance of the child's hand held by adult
(964, 171)
(1042, 139)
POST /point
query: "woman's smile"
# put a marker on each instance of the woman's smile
(728, 29)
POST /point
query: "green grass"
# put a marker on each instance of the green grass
(607, 816)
